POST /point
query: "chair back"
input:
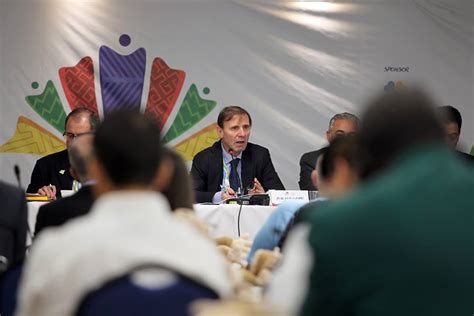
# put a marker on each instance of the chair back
(145, 292)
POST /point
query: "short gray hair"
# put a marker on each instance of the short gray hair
(344, 116)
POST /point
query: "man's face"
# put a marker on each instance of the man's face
(235, 134)
(341, 127)
(76, 126)
(452, 133)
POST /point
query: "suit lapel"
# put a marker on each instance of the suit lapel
(216, 167)
(247, 166)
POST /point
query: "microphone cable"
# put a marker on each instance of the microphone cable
(238, 215)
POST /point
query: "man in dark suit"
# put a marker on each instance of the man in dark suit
(233, 164)
(340, 124)
(51, 173)
(58, 212)
(13, 226)
(452, 121)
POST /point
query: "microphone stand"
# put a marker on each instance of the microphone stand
(17, 175)
(239, 192)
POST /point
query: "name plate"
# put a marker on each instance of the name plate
(279, 196)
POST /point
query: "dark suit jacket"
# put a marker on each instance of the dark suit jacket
(207, 170)
(48, 171)
(60, 211)
(307, 165)
(13, 223)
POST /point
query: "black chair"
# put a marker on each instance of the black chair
(124, 296)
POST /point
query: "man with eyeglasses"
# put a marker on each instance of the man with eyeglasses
(51, 173)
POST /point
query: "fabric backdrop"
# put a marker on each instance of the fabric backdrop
(293, 65)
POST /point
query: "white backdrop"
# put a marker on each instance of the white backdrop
(291, 64)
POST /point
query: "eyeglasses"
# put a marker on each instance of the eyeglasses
(72, 136)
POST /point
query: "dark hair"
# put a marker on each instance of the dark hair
(345, 116)
(345, 147)
(79, 157)
(128, 145)
(93, 117)
(394, 122)
(228, 113)
(449, 114)
(179, 192)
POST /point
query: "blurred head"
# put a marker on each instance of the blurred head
(128, 152)
(336, 171)
(80, 153)
(393, 123)
(79, 121)
(342, 124)
(452, 121)
(233, 127)
(174, 180)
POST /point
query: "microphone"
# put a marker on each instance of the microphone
(17, 175)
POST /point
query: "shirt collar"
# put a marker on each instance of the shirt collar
(228, 157)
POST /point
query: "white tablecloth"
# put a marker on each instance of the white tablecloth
(223, 219)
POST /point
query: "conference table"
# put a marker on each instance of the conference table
(223, 219)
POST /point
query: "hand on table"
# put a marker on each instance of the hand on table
(227, 194)
(49, 191)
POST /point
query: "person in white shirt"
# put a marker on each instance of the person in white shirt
(129, 225)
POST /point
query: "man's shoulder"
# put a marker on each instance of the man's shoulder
(9, 191)
(256, 148)
(208, 151)
(54, 157)
(8, 188)
(55, 206)
(313, 153)
(465, 156)
(77, 199)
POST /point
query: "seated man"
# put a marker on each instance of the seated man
(340, 124)
(452, 121)
(51, 173)
(233, 164)
(58, 212)
(130, 225)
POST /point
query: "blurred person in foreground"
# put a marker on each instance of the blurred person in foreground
(177, 185)
(13, 226)
(401, 244)
(341, 124)
(130, 225)
(452, 121)
(335, 175)
(60, 211)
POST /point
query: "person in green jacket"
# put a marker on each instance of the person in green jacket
(403, 242)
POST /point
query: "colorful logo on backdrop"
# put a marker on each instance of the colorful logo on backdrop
(121, 84)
